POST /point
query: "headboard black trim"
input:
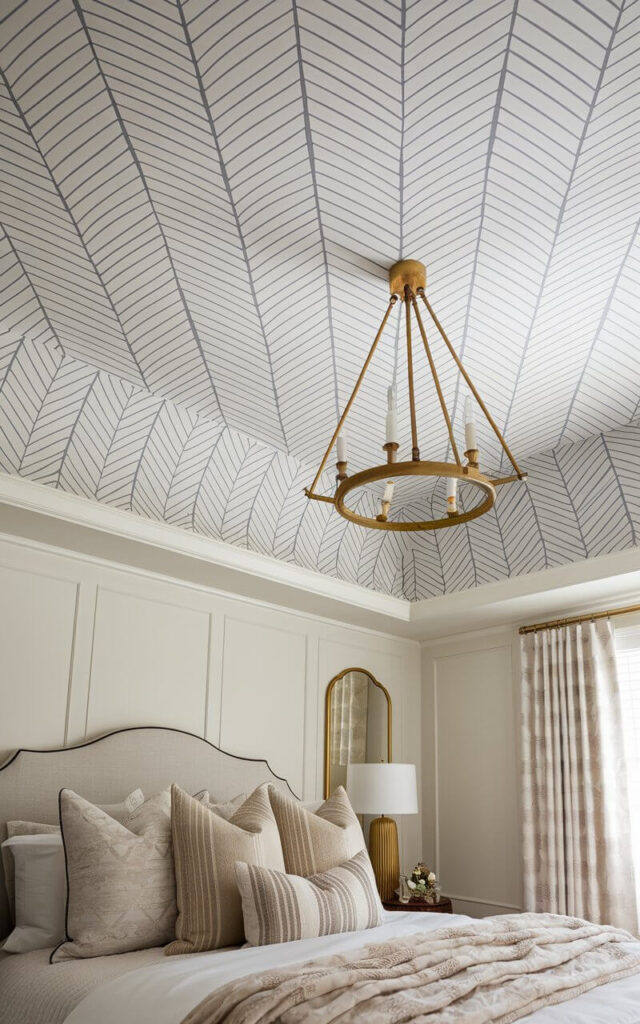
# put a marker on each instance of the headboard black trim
(137, 728)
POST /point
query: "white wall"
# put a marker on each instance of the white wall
(87, 646)
(470, 769)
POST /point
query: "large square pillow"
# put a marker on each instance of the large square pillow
(121, 811)
(121, 892)
(282, 908)
(314, 841)
(206, 847)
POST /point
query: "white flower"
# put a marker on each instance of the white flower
(432, 877)
(411, 883)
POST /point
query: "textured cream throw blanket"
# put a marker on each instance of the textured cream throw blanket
(496, 970)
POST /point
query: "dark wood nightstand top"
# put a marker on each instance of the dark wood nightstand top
(443, 906)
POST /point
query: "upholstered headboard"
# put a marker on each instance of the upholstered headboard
(106, 769)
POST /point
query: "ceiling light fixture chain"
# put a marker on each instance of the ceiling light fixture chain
(407, 280)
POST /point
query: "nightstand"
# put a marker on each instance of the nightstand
(443, 906)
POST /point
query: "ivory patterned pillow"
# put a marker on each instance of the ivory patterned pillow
(121, 886)
(314, 841)
(282, 908)
(120, 811)
(206, 847)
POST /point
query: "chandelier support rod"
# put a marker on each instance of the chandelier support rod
(471, 386)
(310, 490)
(415, 450)
(436, 380)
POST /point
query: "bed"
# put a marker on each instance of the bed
(147, 987)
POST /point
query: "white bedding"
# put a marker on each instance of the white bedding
(164, 993)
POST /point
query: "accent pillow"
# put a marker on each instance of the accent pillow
(225, 808)
(283, 908)
(206, 847)
(120, 812)
(121, 882)
(40, 892)
(316, 841)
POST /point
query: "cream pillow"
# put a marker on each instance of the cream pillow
(316, 841)
(225, 808)
(40, 891)
(206, 847)
(121, 884)
(283, 908)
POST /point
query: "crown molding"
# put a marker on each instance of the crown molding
(86, 512)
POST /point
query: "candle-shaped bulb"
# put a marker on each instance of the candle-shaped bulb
(452, 494)
(469, 424)
(342, 448)
(392, 416)
(388, 491)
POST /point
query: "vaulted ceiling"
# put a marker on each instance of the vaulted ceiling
(200, 201)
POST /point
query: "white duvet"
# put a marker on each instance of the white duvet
(165, 993)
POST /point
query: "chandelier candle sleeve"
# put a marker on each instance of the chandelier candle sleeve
(452, 496)
(388, 491)
(469, 424)
(392, 416)
(342, 448)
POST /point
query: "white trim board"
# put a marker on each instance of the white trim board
(71, 508)
(607, 580)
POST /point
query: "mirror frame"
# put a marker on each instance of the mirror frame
(327, 719)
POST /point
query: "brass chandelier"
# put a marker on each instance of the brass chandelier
(407, 281)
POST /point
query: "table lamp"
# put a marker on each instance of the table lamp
(383, 789)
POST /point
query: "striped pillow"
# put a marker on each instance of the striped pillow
(205, 849)
(316, 841)
(282, 908)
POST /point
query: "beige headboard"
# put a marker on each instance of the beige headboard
(106, 769)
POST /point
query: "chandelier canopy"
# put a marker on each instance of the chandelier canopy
(407, 282)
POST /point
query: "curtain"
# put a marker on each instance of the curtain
(349, 719)
(576, 823)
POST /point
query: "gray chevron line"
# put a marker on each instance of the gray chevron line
(143, 181)
(196, 499)
(403, 42)
(67, 209)
(234, 211)
(483, 203)
(314, 179)
(113, 437)
(558, 227)
(73, 427)
(571, 502)
(603, 318)
(143, 451)
(9, 368)
(256, 494)
(26, 274)
(36, 418)
(194, 427)
(620, 488)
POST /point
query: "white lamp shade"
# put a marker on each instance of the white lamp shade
(382, 788)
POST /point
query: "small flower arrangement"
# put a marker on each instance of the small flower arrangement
(423, 884)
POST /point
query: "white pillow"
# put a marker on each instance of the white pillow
(40, 892)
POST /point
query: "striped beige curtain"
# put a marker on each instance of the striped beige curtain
(577, 837)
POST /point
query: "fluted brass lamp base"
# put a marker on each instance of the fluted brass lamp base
(383, 850)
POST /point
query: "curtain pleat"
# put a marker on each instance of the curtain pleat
(576, 825)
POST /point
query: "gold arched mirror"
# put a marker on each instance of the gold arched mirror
(357, 725)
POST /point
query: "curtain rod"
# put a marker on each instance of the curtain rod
(557, 623)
